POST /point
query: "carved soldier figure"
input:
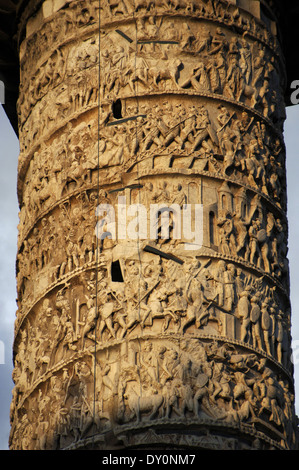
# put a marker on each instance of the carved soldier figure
(89, 322)
(244, 307)
(266, 325)
(255, 314)
(106, 311)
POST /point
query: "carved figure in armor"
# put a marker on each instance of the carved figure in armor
(108, 307)
(254, 249)
(255, 314)
(266, 325)
(89, 322)
(243, 313)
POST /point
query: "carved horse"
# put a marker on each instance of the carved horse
(143, 404)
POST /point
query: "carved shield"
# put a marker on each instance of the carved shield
(266, 321)
(255, 313)
(262, 235)
(202, 380)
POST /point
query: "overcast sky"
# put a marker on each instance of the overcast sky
(9, 150)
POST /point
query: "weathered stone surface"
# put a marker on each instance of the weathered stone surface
(143, 340)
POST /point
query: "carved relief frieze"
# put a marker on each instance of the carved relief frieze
(221, 13)
(208, 65)
(155, 382)
(210, 297)
(65, 65)
(236, 223)
(127, 328)
(47, 254)
(223, 142)
(52, 32)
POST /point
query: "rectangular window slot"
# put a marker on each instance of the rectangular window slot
(116, 274)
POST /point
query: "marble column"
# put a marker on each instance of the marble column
(153, 282)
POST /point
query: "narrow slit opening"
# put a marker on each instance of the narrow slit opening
(116, 109)
(116, 274)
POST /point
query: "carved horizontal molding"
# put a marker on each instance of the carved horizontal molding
(52, 94)
(58, 203)
(148, 94)
(209, 175)
(28, 9)
(170, 437)
(139, 175)
(206, 252)
(174, 13)
(84, 34)
(50, 135)
(24, 160)
(202, 253)
(207, 95)
(93, 265)
(186, 172)
(276, 49)
(204, 423)
(53, 370)
(63, 280)
(92, 350)
(52, 89)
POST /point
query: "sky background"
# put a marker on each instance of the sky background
(9, 150)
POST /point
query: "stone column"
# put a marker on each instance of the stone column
(172, 333)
